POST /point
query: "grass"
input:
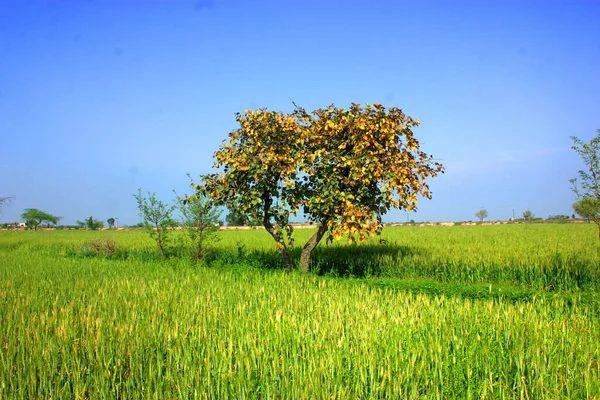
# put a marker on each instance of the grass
(393, 321)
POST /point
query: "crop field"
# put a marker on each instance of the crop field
(507, 311)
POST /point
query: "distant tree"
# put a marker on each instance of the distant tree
(559, 217)
(481, 214)
(200, 219)
(528, 215)
(34, 218)
(234, 218)
(157, 216)
(172, 222)
(110, 222)
(587, 185)
(91, 224)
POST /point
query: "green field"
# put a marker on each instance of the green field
(508, 311)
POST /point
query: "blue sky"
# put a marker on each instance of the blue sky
(100, 98)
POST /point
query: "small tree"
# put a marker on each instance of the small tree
(201, 222)
(587, 187)
(528, 215)
(157, 216)
(110, 222)
(91, 224)
(34, 218)
(481, 214)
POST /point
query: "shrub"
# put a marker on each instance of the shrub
(99, 248)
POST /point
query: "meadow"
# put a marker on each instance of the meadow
(507, 311)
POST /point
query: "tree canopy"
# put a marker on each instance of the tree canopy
(481, 214)
(91, 224)
(587, 185)
(34, 217)
(588, 208)
(528, 215)
(342, 168)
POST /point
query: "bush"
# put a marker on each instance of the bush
(99, 248)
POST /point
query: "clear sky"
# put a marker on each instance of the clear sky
(100, 98)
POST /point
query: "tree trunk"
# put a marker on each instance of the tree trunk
(287, 260)
(159, 242)
(310, 245)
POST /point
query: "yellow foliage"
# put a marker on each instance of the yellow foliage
(361, 162)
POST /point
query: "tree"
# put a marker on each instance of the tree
(587, 187)
(157, 216)
(528, 215)
(91, 224)
(110, 222)
(34, 218)
(233, 218)
(481, 214)
(588, 208)
(558, 217)
(201, 222)
(342, 168)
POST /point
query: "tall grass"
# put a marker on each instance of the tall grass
(554, 257)
(549, 256)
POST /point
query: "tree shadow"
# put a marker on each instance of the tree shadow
(338, 260)
(507, 292)
(361, 260)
